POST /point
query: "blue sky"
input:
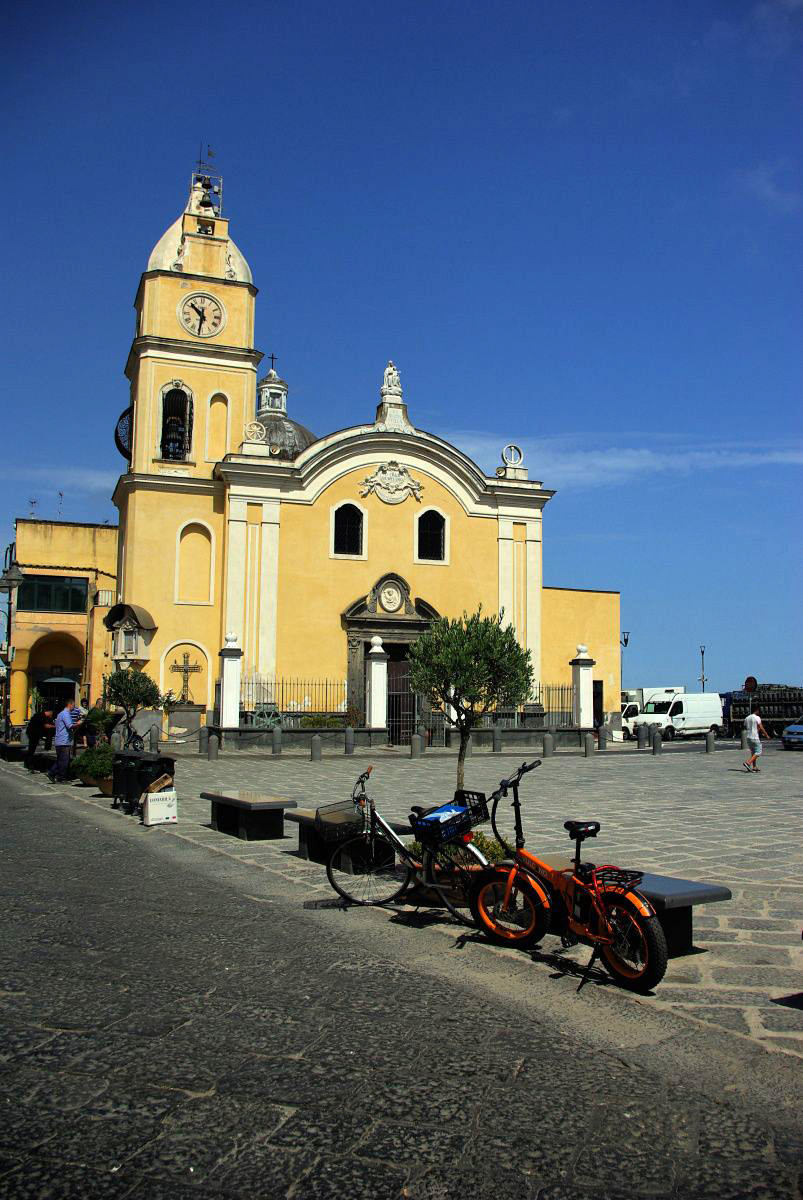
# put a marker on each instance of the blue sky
(575, 226)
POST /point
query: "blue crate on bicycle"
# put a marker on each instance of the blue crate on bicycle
(337, 821)
(449, 821)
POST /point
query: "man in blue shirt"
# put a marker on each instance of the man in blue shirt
(63, 740)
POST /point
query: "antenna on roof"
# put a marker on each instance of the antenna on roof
(61, 502)
(32, 503)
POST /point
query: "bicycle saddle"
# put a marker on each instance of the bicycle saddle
(580, 830)
(422, 812)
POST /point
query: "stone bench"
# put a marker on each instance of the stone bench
(315, 848)
(251, 816)
(673, 901)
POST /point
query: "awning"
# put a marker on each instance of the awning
(120, 613)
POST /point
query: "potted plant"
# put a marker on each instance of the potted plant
(94, 768)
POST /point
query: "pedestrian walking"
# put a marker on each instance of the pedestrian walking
(755, 731)
(39, 726)
(64, 734)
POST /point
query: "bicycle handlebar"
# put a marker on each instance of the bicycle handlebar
(359, 786)
(505, 784)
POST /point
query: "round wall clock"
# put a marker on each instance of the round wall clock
(201, 314)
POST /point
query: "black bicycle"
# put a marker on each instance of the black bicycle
(370, 864)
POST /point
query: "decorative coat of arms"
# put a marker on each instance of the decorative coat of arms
(392, 483)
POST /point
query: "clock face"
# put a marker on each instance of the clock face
(201, 314)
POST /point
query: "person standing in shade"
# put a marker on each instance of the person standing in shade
(755, 731)
(64, 734)
(39, 726)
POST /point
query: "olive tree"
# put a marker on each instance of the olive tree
(132, 690)
(472, 665)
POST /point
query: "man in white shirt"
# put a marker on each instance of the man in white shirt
(755, 731)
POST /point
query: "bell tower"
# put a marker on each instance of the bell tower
(192, 369)
(192, 365)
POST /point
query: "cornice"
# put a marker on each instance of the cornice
(135, 480)
(208, 279)
(321, 463)
(177, 348)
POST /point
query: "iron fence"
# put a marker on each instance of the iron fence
(262, 696)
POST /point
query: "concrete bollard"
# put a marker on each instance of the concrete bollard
(315, 748)
(422, 733)
(588, 744)
(153, 739)
(276, 740)
(549, 745)
(203, 740)
(213, 746)
(642, 736)
(116, 739)
(497, 742)
(349, 742)
(469, 747)
(602, 744)
(415, 746)
(448, 734)
(743, 740)
(657, 741)
(710, 743)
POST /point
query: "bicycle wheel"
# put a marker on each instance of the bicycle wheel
(638, 957)
(363, 870)
(522, 921)
(452, 870)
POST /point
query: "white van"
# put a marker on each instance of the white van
(693, 712)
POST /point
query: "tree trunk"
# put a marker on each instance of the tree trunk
(465, 734)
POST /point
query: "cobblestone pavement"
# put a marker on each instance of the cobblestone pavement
(175, 1024)
(685, 813)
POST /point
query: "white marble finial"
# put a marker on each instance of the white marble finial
(231, 639)
(582, 650)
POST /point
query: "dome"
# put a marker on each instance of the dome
(285, 437)
(165, 254)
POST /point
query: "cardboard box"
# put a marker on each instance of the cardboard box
(160, 808)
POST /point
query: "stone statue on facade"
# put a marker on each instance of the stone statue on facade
(391, 385)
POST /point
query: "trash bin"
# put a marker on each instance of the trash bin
(133, 771)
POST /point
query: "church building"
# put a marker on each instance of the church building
(240, 527)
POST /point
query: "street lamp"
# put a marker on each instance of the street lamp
(702, 667)
(623, 640)
(10, 580)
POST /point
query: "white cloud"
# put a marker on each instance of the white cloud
(65, 479)
(564, 462)
(762, 182)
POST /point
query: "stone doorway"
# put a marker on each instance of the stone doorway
(399, 619)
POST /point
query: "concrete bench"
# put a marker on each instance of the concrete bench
(313, 847)
(251, 816)
(673, 901)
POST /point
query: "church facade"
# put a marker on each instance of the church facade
(238, 526)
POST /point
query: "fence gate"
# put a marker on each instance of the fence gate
(401, 704)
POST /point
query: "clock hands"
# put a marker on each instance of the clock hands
(201, 317)
(199, 311)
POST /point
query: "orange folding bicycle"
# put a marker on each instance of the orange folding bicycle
(519, 900)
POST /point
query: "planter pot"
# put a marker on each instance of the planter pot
(104, 786)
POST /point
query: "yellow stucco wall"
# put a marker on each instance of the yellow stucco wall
(571, 616)
(315, 588)
(71, 640)
(151, 521)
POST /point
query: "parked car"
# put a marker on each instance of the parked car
(690, 713)
(792, 736)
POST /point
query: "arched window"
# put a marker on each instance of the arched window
(348, 530)
(176, 425)
(431, 536)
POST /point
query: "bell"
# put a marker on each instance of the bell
(206, 202)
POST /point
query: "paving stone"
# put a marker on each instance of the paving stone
(778, 1017)
(727, 1018)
